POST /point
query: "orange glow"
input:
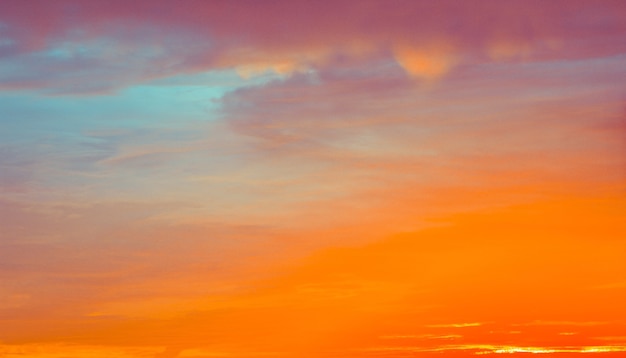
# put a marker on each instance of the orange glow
(431, 62)
(312, 179)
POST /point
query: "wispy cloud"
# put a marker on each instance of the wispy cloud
(308, 179)
(455, 325)
(422, 336)
(563, 323)
(481, 349)
(115, 45)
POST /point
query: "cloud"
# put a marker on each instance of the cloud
(429, 63)
(563, 323)
(308, 178)
(455, 325)
(480, 349)
(362, 124)
(73, 47)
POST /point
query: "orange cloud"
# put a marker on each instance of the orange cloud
(428, 62)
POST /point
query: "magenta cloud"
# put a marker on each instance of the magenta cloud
(74, 46)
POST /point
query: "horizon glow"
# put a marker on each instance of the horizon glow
(312, 179)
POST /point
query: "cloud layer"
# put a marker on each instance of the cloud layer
(67, 46)
(307, 179)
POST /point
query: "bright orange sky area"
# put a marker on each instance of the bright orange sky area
(195, 179)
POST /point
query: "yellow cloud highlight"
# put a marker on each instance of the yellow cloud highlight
(562, 323)
(548, 350)
(250, 63)
(422, 336)
(285, 67)
(483, 349)
(455, 325)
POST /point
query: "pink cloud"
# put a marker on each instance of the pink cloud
(427, 40)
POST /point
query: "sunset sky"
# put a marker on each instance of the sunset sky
(312, 179)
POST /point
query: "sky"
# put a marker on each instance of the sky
(290, 178)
